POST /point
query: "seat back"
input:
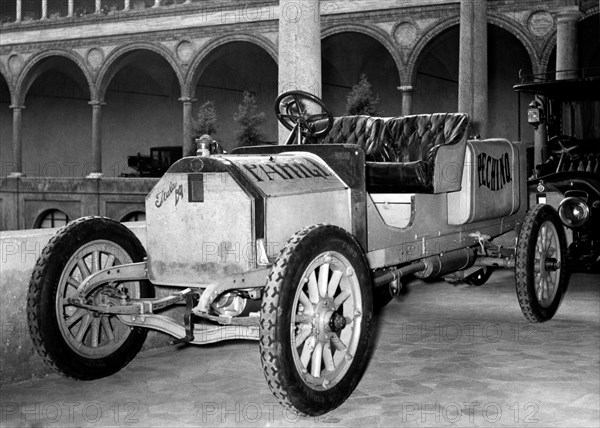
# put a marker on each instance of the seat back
(398, 139)
(365, 131)
(412, 138)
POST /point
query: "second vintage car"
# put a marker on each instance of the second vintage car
(566, 115)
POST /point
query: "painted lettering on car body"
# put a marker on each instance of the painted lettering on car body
(493, 173)
(280, 170)
(164, 195)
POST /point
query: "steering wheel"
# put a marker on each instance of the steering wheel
(293, 113)
(566, 145)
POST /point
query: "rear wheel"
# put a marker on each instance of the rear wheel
(316, 320)
(76, 342)
(541, 277)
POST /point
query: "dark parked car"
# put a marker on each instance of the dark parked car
(568, 177)
(159, 161)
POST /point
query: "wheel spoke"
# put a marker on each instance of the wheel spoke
(328, 357)
(323, 279)
(75, 317)
(83, 328)
(95, 261)
(333, 283)
(337, 343)
(307, 350)
(85, 272)
(305, 331)
(291, 117)
(302, 319)
(308, 307)
(298, 105)
(318, 116)
(107, 328)
(95, 332)
(313, 288)
(73, 282)
(341, 298)
(110, 261)
(317, 358)
(544, 236)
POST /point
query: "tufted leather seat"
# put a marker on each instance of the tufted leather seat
(407, 154)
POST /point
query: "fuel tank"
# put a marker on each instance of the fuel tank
(210, 217)
(490, 184)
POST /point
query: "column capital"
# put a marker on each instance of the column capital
(187, 100)
(96, 103)
(568, 14)
(406, 88)
(16, 107)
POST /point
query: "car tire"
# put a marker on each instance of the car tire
(540, 273)
(315, 323)
(75, 342)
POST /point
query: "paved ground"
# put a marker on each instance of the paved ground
(444, 357)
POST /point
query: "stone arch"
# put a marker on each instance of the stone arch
(31, 71)
(8, 79)
(513, 28)
(115, 61)
(375, 33)
(550, 44)
(547, 50)
(424, 42)
(197, 66)
(590, 12)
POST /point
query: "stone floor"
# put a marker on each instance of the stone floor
(444, 356)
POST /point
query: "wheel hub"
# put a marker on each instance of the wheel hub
(552, 264)
(337, 322)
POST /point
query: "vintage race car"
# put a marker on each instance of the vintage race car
(292, 245)
(569, 176)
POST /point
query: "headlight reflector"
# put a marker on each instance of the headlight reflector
(573, 212)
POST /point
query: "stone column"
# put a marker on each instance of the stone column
(566, 42)
(472, 67)
(187, 125)
(71, 8)
(299, 49)
(127, 5)
(96, 138)
(98, 6)
(156, 3)
(407, 94)
(17, 140)
(44, 9)
(19, 11)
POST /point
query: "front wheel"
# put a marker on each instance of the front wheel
(315, 321)
(541, 277)
(76, 342)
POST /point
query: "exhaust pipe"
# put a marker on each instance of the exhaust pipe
(429, 267)
(448, 262)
